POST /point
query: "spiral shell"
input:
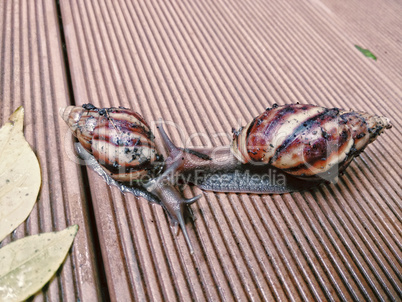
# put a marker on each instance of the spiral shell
(119, 139)
(307, 141)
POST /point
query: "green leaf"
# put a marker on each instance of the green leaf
(26, 265)
(20, 176)
(366, 52)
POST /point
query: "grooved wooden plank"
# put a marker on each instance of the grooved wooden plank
(366, 28)
(208, 66)
(32, 74)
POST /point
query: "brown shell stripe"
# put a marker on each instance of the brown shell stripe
(128, 112)
(120, 171)
(121, 142)
(274, 127)
(127, 115)
(318, 152)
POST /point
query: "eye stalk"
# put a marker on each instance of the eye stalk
(174, 204)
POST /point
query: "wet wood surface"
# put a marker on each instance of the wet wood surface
(208, 66)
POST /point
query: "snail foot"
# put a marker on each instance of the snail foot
(92, 163)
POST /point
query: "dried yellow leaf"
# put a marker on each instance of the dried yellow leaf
(26, 265)
(20, 176)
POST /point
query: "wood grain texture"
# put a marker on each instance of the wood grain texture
(209, 66)
(32, 74)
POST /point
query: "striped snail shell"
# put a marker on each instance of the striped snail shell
(119, 139)
(307, 141)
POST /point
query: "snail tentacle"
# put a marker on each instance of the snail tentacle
(190, 160)
(174, 204)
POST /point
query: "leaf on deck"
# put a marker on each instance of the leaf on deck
(20, 176)
(366, 52)
(26, 265)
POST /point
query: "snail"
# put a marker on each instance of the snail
(286, 148)
(307, 141)
(302, 145)
(118, 138)
(119, 145)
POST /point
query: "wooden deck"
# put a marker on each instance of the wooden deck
(209, 66)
